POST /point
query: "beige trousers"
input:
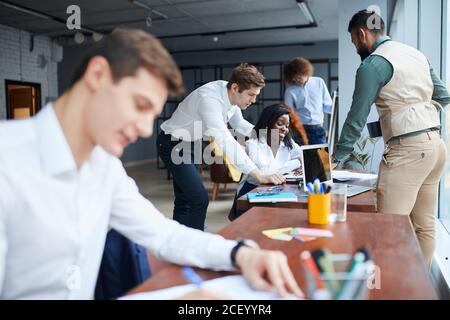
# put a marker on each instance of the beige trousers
(408, 183)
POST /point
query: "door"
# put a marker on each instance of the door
(23, 99)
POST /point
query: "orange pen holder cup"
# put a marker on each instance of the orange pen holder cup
(319, 206)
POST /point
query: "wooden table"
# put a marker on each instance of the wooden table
(363, 202)
(389, 238)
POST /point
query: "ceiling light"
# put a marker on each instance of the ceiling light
(148, 21)
(306, 11)
(97, 36)
(78, 38)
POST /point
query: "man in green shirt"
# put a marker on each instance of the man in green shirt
(404, 87)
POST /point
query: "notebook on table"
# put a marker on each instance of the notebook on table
(254, 197)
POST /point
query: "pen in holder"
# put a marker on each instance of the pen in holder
(341, 284)
(319, 206)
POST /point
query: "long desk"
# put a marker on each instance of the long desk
(363, 202)
(389, 238)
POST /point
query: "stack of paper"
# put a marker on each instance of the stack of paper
(233, 287)
(343, 175)
(301, 234)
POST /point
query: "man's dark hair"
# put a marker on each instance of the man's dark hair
(369, 20)
(127, 50)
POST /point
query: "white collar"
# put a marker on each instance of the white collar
(53, 148)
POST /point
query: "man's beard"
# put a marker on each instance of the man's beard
(363, 51)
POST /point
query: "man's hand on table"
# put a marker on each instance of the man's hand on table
(274, 178)
(267, 270)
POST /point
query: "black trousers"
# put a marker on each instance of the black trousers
(124, 266)
(191, 198)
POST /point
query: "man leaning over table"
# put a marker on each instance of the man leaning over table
(63, 184)
(403, 85)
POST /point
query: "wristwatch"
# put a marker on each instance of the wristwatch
(243, 242)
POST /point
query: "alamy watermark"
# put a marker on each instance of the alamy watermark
(374, 21)
(73, 22)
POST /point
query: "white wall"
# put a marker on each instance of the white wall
(18, 63)
(430, 32)
(405, 22)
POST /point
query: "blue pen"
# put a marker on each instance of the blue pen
(192, 276)
(310, 187)
(322, 188)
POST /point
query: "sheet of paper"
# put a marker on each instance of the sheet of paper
(282, 236)
(278, 234)
(235, 287)
(293, 176)
(343, 175)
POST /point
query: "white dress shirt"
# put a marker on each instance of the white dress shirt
(204, 113)
(261, 154)
(3, 246)
(56, 217)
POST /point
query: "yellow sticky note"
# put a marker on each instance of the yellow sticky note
(282, 236)
(278, 234)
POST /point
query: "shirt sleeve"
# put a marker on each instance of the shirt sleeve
(326, 98)
(3, 247)
(238, 123)
(252, 149)
(296, 150)
(289, 98)
(3, 238)
(210, 112)
(368, 84)
(440, 92)
(136, 218)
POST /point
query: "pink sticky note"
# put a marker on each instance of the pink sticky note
(303, 238)
(311, 232)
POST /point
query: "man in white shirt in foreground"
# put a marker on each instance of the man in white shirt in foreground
(62, 184)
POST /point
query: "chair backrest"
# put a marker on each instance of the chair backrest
(219, 173)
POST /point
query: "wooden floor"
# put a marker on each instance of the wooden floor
(153, 184)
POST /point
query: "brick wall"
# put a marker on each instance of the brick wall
(18, 63)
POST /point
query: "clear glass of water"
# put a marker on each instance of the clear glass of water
(338, 202)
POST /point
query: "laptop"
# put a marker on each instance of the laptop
(316, 162)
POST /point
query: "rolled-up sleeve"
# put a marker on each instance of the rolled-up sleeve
(289, 98)
(326, 98)
(137, 218)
